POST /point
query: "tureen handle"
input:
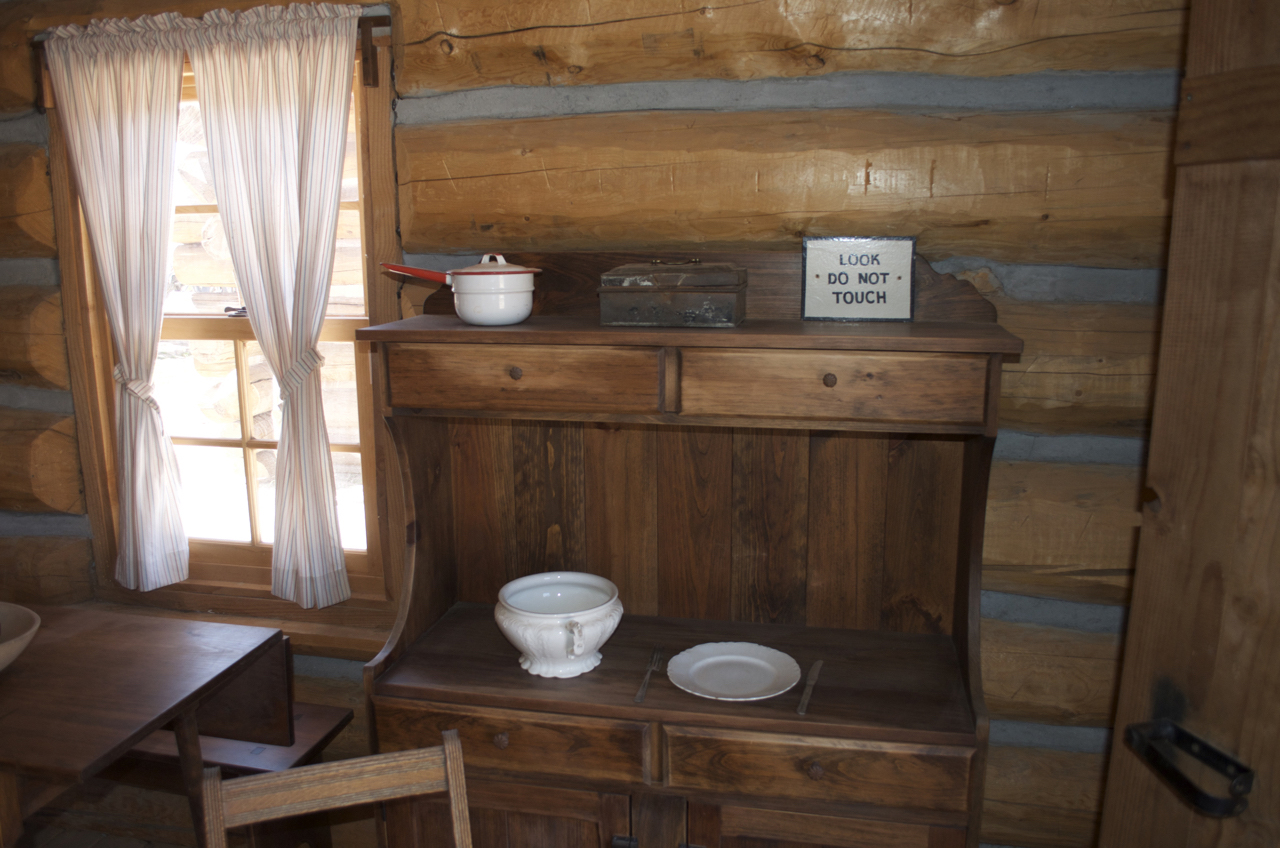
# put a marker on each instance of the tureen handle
(575, 630)
(496, 257)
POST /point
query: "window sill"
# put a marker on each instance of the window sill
(311, 638)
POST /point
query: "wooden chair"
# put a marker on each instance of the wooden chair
(346, 783)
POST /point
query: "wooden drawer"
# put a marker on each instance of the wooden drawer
(717, 826)
(944, 388)
(525, 378)
(520, 742)
(840, 770)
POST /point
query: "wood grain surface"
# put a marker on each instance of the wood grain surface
(45, 569)
(1203, 629)
(1049, 675)
(39, 464)
(92, 684)
(1071, 188)
(1062, 530)
(695, 507)
(481, 43)
(1042, 798)
(794, 384)
(33, 351)
(505, 814)
(730, 534)
(499, 742)
(771, 526)
(875, 685)
(26, 202)
(1085, 367)
(815, 768)
(525, 377)
(726, 824)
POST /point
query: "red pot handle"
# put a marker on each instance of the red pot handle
(421, 273)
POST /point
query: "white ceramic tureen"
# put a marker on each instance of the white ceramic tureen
(558, 620)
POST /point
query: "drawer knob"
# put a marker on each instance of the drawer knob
(829, 381)
(515, 372)
(815, 771)
(501, 740)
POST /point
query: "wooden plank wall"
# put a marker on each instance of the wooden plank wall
(607, 125)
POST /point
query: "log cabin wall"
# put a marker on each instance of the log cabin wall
(1025, 144)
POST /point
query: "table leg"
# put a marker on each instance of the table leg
(191, 762)
(10, 809)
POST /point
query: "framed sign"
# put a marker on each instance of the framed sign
(858, 279)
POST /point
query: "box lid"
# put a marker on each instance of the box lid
(659, 274)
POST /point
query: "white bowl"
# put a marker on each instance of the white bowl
(558, 620)
(18, 625)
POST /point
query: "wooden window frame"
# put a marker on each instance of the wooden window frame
(91, 358)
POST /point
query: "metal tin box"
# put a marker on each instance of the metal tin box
(673, 295)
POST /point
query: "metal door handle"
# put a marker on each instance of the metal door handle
(1141, 738)
(624, 842)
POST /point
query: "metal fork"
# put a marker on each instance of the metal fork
(654, 662)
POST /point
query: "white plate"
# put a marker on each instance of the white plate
(733, 671)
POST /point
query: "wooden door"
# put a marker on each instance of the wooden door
(1203, 645)
(729, 826)
(509, 815)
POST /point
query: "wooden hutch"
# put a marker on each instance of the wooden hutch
(815, 487)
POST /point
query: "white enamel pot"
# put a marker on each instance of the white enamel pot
(490, 293)
(558, 620)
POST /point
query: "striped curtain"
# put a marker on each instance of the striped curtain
(275, 84)
(117, 85)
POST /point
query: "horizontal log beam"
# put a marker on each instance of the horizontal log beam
(480, 43)
(1040, 798)
(26, 202)
(33, 350)
(1049, 674)
(39, 462)
(1062, 530)
(45, 570)
(1078, 188)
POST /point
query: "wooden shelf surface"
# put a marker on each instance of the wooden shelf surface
(922, 336)
(874, 685)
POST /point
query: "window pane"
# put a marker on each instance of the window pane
(195, 385)
(349, 483)
(347, 476)
(204, 279)
(264, 463)
(194, 183)
(215, 501)
(266, 414)
(350, 159)
(346, 286)
(338, 392)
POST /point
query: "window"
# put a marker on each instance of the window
(219, 401)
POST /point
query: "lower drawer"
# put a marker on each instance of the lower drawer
(520, 742)
(889, 774)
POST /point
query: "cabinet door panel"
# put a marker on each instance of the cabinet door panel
(508, 815)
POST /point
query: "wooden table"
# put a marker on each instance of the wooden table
(93, 684)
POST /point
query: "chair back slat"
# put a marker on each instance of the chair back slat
(345, 783)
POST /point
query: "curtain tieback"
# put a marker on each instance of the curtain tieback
(293, 379)
(138, 388)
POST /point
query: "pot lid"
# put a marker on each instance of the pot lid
(497, 266)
